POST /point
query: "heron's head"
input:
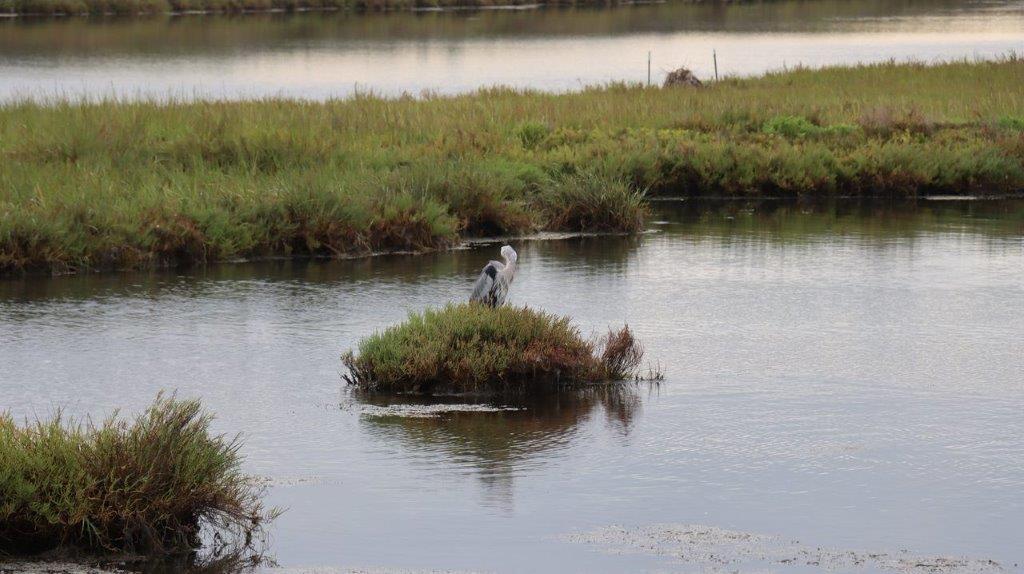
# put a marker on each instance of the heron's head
(508, 253)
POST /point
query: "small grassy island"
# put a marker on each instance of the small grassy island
(144, 488)
(118, 184)
(471, 348)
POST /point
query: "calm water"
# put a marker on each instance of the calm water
(851, 376)
(332, 55)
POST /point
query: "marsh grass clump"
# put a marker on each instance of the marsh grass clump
(470, 348)
(594, 203)
(620, 354)
(142, 487)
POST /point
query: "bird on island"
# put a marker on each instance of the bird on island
(491, 288)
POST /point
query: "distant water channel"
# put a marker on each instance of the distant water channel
(847, 375)
(330, 55)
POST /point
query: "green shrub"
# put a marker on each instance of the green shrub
(841, 129)
(1012, 123)
(149, 486)
(471, 348)
(532, 133)
(790, 127)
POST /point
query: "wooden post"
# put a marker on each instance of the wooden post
(648, 68)
(714, 56)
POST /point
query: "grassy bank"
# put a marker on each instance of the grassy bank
(145, 487)
(471, 348)
(121, 184)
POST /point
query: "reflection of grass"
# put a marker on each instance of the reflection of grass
(217, 34)
(499, 445)
(134, 184)
(748, 14)
(124, 7)
(474, 348)
(495, 441)
(874, 219)
(146, 487)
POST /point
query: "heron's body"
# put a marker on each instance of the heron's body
(491, 288)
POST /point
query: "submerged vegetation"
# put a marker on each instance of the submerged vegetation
(147, 487)
(114, 184)
(472, 348)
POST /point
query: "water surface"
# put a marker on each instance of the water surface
(334, 55)
(847, 375)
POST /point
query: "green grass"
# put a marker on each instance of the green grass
(471, 348)
(147, 487)
(111, 184)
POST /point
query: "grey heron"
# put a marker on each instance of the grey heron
(491, 288)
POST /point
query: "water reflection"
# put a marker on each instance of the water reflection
(591, 256)
(331, 55)
(882, 220)
(220, 555)
(167, 35)
(497, 446)
(214, 280)
(201, 562)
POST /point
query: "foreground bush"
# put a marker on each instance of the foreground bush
(147, 487)
(472, 348)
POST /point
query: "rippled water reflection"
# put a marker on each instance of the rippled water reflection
(331, 55)
(847, 375)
